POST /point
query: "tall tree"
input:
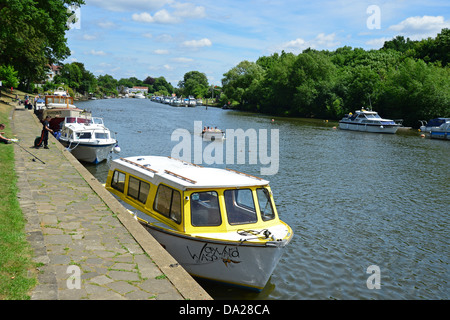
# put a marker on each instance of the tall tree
(32, 35)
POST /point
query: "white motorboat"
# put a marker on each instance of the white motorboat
(39, 104)
(87, 139)
(367, 121)
(213, 135)
(441, 132)
(218, 224)
(139, 95)
(433, 123)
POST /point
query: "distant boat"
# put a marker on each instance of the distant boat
(368, 121)
(441, 132)
(139, 95)
(433, 123)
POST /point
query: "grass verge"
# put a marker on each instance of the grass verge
(16, 280)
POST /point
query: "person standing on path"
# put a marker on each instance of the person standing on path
(45, 130)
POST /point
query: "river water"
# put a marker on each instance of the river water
(354, 200)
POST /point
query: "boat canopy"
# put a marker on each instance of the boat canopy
(168, 170)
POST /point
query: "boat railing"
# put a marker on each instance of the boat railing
(180, 176)
(138, 165)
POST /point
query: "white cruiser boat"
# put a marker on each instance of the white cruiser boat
(139, 95)
(441, 132)
(87, 139)
(367, 121)
(218, 224)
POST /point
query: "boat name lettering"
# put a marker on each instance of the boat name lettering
(211, 253)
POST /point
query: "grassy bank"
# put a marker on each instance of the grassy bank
(16, 280)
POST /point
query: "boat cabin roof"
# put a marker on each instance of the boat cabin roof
(184, 175)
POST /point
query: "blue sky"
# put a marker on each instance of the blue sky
(140, 38)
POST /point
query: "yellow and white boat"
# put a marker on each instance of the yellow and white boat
(218, 224)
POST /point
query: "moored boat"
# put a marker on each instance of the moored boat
(58, 107)
(218, 224)
(441, 132)
(433, 123)
(367, 121)
(87, 139)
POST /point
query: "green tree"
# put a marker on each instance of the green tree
(8, 76)
(194, 83)
(242, 83)
(32, 35)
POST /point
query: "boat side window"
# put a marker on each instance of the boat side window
(205, 209)
(240, 206)
(101, 135)
(265, 205)
(83, 135)
(118, 181)
(168, 203)
(138, 189)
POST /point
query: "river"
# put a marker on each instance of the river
(366, 208)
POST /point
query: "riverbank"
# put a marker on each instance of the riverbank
(17, 270)
(85, 244)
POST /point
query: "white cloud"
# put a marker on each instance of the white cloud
(96, 53)
(377, 43)
(161, 51)
(147, 35)
(197, 43)
(143, 17)
(418, 28)
(107, 24)
(182, 60)
(89, 37)
(188, 10)
(162, 16)
(320, 42)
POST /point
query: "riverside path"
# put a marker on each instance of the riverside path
(86, 244)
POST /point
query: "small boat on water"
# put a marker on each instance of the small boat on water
(367, 121)
(139, 95)
(219, 224)
(87, 139)
(433, 123)
(213, 135)
(441, 132)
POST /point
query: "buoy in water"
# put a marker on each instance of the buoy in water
(422, 135)
(116, 149)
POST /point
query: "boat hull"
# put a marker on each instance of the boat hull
(234, 263)
(91, 153)
(368, 127)
(443, 135)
